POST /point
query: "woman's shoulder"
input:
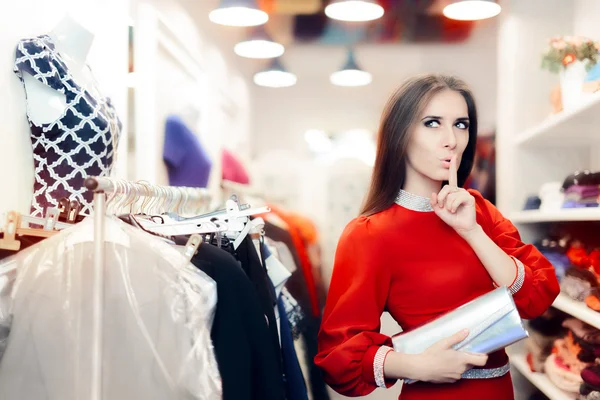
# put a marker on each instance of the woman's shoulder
(375, 225)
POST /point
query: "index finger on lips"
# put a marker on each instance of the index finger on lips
(453, 179)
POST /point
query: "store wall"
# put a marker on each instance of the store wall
(281, 116)
(107, 58)
(181, 69)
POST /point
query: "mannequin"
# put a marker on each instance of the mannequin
(73, 41)
(75, 130)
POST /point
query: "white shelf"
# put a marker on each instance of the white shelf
(577, 309)
(578, 126)
(568, 214)
(539, 380)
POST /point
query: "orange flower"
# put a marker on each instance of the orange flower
(568, 59)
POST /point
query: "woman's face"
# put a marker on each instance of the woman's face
(440, 132)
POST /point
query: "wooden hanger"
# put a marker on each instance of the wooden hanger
(12, 229)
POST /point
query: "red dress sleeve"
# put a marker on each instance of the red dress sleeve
(349, 336)
(536, 277)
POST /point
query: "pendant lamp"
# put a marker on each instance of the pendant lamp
(275, 76)
(354, 10)
(259, 45)
(472, 10)
(351, 74)
(238, 13)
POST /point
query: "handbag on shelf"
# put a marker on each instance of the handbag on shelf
(492, 320)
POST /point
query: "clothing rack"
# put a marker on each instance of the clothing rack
(101, 186)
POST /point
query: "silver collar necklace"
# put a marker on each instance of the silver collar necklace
(413, 202)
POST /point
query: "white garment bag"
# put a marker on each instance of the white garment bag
(157, 313)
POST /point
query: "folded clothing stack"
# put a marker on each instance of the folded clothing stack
(543, 332)
(590, 388)
(571, 366)
(582, 189)
(560, 374)
(576, 354)
(578, 283)
(578, 190)
(581, 280)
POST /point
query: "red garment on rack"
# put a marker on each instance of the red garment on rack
(298, 226)
(416, 267)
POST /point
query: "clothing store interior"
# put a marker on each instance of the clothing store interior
(183, 183)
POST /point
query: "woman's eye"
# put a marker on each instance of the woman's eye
(432, 123)
(462, 125)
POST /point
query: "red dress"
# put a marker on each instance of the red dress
(413, 265)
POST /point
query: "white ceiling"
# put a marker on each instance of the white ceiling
(307, 60)
(315, 103)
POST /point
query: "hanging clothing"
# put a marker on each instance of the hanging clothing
(248, 361)
(295, 387)
(309, 325)
(233, 170)
(188, 163)
(277, 272)
(384, 262)
(300, 245)
(255, 271)
(156, 317)
(81, 143)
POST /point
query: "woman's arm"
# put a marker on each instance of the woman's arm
(351, 348)
(529, 275)
(521, 267)
(498, 264)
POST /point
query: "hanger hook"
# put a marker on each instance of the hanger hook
(146, 199)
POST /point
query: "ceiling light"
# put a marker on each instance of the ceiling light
(354, 10)
(275, 76)
(351, 74)
(472, 10)
(238, 13)
(259, 45)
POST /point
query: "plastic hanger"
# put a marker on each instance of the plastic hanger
(232, 221)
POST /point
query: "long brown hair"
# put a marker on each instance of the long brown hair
(399, 115)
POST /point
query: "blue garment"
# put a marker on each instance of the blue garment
(81, 143)
(188, 163)
(295, 386)
(559, 260)
(532, 203)
(576, 204)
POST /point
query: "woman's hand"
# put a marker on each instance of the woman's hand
(454, 205)
(438, 364)
(441, 364)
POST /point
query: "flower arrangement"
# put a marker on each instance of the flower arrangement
(565, 50)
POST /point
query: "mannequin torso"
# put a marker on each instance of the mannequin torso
(74, 129)
(73, 42)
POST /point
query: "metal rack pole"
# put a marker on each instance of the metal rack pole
(98, 288)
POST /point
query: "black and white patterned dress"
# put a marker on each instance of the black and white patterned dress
(81, 143)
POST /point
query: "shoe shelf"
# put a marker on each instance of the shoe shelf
(539, 380)
(564, 215)
(577, 309)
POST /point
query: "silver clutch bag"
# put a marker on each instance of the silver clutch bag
(492, 320)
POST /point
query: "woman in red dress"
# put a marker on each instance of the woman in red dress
(421, 247)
